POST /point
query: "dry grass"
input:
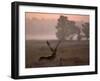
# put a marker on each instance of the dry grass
(70, 53)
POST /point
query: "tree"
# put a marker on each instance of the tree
(66, 28)
(86, 29)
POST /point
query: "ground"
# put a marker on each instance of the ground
(69, 53)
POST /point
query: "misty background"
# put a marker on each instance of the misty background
(40, 26)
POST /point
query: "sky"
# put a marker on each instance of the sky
(56, 16)
(42, 26)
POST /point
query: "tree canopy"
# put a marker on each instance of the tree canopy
(65, 28)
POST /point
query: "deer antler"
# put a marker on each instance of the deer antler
(58, 44)
(50, 46)
(55, 47)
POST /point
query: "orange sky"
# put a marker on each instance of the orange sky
(74, 17)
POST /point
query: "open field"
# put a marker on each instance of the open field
(69, 53)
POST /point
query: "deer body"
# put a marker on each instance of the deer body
(52, 56)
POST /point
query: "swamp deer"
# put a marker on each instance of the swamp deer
(53, 55)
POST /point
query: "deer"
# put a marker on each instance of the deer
(53, 55)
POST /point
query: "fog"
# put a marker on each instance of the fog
(41, 28)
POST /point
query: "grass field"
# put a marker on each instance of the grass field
(69, 53)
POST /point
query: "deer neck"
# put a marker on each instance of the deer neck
(53, 54)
